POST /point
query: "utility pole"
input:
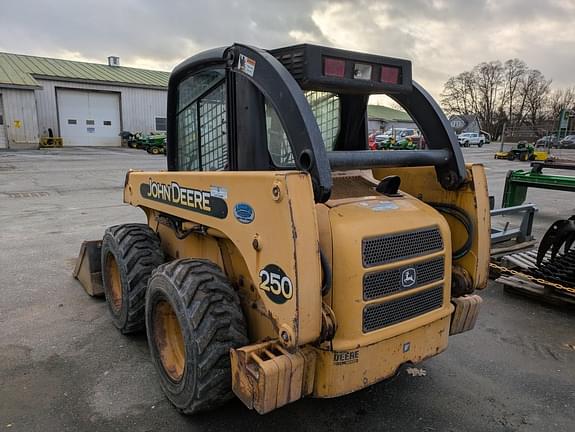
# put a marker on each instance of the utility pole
(502, 136)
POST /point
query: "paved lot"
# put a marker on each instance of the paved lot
(64, 367)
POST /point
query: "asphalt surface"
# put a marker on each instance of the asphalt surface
(64, 367)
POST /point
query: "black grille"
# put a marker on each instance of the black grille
(292, 61)
(389, 282)
(394, 247)
(382, 315)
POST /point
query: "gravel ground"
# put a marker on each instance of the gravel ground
(63, 366)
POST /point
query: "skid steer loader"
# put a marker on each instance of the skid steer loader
(281, 258)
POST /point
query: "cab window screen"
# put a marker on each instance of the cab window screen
(201, 134)
(188, 148)
(213, 142)
(325, 107)
(278, 144)
(193, 87)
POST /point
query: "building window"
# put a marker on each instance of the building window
(90, 122)
(161, 124)
(1, 119)
(107, 123)
(72, 122)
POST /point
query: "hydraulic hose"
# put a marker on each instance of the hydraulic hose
(463, 218)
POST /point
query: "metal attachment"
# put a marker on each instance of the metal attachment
(276, 192)
(285, 335)
(328, 323)
(256, 243)
(461, 282)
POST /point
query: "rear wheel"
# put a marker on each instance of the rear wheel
(155, 150)
(193, 318)
(130, 253)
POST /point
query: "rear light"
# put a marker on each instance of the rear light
(390, 74)
(333, 67)
(362, 71)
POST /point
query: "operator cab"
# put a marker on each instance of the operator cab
(300, 107)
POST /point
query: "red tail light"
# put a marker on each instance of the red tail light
(333, 67)
(390, 74)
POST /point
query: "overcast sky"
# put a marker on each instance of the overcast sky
(441, 37)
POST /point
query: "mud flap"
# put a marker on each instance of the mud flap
(89, 268)
(465, 314)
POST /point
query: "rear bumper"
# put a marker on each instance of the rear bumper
(339, 373)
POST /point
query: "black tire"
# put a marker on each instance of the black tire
(480, 144)
(193, 361)
(155, 150)
(466, 144)
(130, 253)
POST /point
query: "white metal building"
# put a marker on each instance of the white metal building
(86, 104)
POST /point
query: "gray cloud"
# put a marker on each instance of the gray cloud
(441, 37)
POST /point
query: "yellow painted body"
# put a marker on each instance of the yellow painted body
(285, 229)
(472, 197)
(289, 230)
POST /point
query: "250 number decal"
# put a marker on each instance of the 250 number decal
(274, 282)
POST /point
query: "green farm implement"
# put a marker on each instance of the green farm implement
(518, 181)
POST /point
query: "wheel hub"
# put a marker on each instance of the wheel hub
(169, 340)
(114, 282)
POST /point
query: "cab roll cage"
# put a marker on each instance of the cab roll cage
(266, 74)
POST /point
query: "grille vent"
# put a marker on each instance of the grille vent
(388, 282)
(293, 62)
(381, 315)
(395, 247)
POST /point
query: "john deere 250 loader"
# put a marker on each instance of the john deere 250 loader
(281, 258)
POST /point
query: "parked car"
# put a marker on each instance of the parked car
(568, 142)
(547, 142)
(467, 139)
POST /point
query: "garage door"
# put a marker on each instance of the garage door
(89, 118)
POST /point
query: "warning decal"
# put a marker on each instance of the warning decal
(247, 65)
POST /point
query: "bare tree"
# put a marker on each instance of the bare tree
(488, 80)
(560, 99)
(459, 94)
(534, 92)
(515, 70)
(498, 93)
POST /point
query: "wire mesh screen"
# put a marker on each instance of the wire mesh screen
(325, 107)
(188, 159)
(213, 142)
(278, 144)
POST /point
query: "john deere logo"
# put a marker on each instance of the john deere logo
(408, 277)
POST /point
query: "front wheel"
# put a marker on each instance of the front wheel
(193, 318)
(130, 253)
(480, 144)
